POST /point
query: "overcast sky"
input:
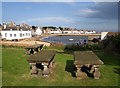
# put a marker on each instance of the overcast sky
(100, 16)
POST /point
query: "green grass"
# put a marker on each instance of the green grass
(16, 70)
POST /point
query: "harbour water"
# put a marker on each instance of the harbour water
(67, 39)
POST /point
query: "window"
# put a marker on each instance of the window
(5, 34)
(14, 35)
(10, 35)
(26, 34)
(20, 34)
(23, 35)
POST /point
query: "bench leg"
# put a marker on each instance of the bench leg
(34, 69)
(46, 71)
(96, 72)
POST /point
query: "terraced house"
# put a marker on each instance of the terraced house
(15, 32)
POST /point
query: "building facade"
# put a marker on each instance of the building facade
(38, 31)
(15, 34)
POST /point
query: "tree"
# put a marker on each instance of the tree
(33, 28)
(60, 28)
(45, 27)
(112, 44)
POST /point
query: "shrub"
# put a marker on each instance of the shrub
(95, 47)
(111, 44)
(74, 47)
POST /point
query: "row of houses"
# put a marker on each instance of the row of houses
(11, 31)
(68, 31)
(55, 30)
(15, 32)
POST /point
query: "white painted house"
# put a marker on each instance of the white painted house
(75, 32)
(56, 32)
(90, 32)
(67, 32)
(38, 31)
(15, 34)
(81, 32)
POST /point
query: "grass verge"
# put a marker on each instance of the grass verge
(15, 71)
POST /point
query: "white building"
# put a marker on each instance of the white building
(15, 34)
(75, 32)
(67, 32)
(103, 35)
(90, 32)
(38, 31)
(56, 32)
(81, 32)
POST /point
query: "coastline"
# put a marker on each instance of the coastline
(38, 40)
(90, 36)
(25, 42)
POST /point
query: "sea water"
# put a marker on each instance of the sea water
(66, 40)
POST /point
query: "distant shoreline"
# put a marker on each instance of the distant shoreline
(71, 34)
(38, 40)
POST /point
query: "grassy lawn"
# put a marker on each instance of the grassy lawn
(16, 70)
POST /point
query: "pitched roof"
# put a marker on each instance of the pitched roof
(15, 28)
